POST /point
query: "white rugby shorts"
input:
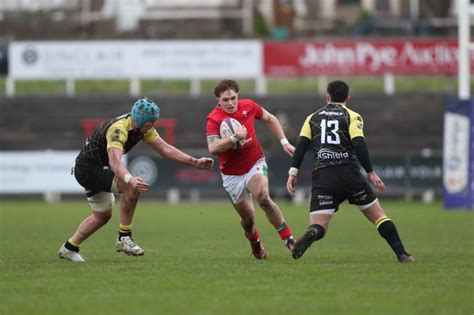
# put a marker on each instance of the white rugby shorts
(236, 185)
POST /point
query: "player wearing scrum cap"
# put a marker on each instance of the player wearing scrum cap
(100, 170)
(243, 168)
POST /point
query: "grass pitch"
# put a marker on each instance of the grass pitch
(198, 262)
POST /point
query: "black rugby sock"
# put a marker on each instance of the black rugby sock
(125, 230)
(388, 231)
(320, 231)
(72, 247)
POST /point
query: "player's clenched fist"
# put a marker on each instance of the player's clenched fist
(205, 163)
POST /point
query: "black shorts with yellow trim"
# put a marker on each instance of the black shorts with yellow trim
(94, 178)
(332, 185)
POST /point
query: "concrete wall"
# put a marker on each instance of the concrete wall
(405, 122)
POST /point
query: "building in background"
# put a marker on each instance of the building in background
(178, 19)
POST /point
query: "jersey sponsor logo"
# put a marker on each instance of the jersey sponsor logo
(330, 113)
(360, 124)
(358, 193)
(326, 154)
(325, 197)
(118, 136)
(360, 196)
(325, 202)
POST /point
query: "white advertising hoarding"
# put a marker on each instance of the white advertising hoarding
(135, 59)
(456, 152)
(38, 172)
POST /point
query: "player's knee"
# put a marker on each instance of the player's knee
(263, 199)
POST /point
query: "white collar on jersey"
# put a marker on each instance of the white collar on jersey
(335, 103)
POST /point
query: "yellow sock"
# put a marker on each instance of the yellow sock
(381, 220)
(125, 230)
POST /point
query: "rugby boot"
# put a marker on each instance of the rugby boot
(290, 244)
(128, 246)
(406, 258)
(304, 242)
(258, 250)
(71, 255)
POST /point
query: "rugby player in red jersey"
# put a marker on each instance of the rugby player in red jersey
(242, 162)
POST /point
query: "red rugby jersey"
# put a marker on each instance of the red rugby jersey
(238, 161)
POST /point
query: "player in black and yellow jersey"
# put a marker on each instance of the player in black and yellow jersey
(100, 170)
(336, 135)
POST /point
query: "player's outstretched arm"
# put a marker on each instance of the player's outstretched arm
(277, 130)
(205, 163)
(172, 153)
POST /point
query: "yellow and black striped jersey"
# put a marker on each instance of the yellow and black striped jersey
(114, 133)
(331, 130)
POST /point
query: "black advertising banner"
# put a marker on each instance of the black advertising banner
(164, 174)
(403, 174)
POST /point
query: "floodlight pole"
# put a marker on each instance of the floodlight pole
(464, 47)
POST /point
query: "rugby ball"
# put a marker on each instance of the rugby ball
(228, 128)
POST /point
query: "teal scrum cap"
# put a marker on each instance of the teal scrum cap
(144, 110)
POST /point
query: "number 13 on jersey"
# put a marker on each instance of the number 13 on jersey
(329, 129)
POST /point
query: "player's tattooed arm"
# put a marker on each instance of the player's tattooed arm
(212, 139)
(216, 145)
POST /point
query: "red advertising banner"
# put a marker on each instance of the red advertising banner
(351, 57)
